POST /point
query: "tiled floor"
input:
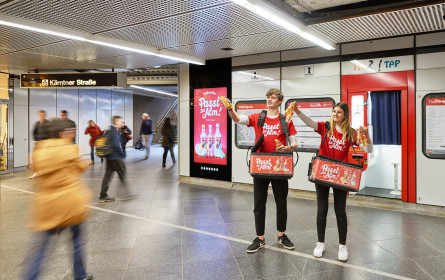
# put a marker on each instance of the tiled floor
(379, 192)
(183, 231)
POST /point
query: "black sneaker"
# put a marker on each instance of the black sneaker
(256, 245)
(285, 241)
(106, 199)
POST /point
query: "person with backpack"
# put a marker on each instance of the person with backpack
(167, 141)
(114, 156)
(94, 131)
(272, 130)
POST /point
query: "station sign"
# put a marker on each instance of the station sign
(378, 65)
(73, 80)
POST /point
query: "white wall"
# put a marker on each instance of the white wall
(82, 105)
(381, 174)
(184, 120)
(430, 78)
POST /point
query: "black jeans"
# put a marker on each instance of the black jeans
(172, 154)
(340, 212)
(123, 149)
(113, 165)
(280, 189)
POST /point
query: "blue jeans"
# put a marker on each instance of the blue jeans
(36, 257)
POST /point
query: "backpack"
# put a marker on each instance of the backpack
(103, 144)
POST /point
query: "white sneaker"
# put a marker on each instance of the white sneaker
(342, 253)
(33, 176)
(319, 249)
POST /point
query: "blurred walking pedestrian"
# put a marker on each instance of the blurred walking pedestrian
(94, 131)
(40, 131)
(115, 164)
(146, 133)
(167, 140)
(61, 199)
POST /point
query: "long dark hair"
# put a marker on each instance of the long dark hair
(167, 123)
(346, 128)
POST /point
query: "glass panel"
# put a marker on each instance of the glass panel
(357, 111)
(4, 87)
(3, 137)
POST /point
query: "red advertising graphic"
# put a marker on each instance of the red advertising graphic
(254, 106)
(434, 101)
(271, 164)
(314, 104)
(335, 173)
(210, 139)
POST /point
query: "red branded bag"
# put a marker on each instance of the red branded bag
(275, 165)
(335, 173)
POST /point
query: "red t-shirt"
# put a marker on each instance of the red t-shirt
(271, 130)
(334, 147)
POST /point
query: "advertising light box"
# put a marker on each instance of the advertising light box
(434, 125)
(210, 126)
(245, 136)
(319, 110)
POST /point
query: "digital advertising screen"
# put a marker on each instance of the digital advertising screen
(244, 135)
(319, 110)
(210, 126)
(434, 125)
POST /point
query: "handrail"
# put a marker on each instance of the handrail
(165, 116)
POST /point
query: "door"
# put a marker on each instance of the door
(358, 108)
(21, 135)
(4, 138)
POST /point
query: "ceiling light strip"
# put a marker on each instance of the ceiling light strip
(153, 90)
(48, 29)
(284, 20)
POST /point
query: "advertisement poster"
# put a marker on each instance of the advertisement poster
(319, 110)
(210, 126)
(245, 136)
(434, 125)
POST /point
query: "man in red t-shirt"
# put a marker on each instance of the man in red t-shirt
(271, 131)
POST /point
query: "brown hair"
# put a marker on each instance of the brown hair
(346, 128)
(276, 91)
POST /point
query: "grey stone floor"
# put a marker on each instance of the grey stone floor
(182, 231)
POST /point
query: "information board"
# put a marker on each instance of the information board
(210, 126)
(319, 110)
(433, 107)
(244, 135)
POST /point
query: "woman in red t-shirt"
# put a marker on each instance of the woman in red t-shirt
(336, 146)
(94, 131)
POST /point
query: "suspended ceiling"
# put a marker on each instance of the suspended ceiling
(199, 28)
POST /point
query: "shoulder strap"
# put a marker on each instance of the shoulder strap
(262, 118)
(284, 127)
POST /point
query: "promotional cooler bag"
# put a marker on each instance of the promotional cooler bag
(275, 165)
(335, 173)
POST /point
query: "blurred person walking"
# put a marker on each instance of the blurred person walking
(61, 199)
(115, 164)
(40, 131)
(94, 131)
(146, 133)
(72, 124)
(125, 132)
(167, 140)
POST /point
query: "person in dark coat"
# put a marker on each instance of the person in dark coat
(94, 131)
(115, 164)
(125, 135)
(167, 140)
(40, 132)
